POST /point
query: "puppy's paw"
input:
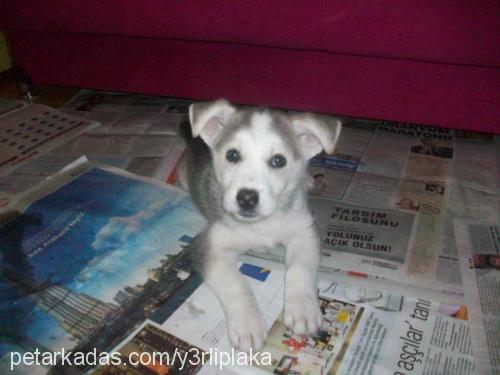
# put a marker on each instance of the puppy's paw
(302, 313)
(247, 330)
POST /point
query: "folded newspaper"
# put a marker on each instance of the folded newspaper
(86, 257)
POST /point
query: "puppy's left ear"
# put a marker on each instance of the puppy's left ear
(316, 133)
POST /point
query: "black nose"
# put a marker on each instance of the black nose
(247, 199)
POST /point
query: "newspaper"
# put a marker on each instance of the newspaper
(137, 134)
(145, 155)
(422, 337)
(129, 114)
(479, 251)
(28, 131)
(402, 209)
(365, 331)
(87, 256)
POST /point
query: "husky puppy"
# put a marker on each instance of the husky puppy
(247, 175)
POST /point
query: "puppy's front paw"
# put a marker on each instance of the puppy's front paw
(302, 313)
(247, 330)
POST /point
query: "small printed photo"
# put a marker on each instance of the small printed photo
(300, 354)
(152, 351)
(434, 187)
(286, 365)
(454, 311)
(319, 184)
(486, 261)
(429, 147)
(408, 204)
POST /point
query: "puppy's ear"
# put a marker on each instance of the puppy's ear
(208, 119)
(315, 133)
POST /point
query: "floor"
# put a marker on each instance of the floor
(53, 96)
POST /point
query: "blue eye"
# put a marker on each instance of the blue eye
(233, 155)
(277, 161)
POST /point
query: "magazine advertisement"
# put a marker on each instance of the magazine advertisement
(87, 256)
(479, 251)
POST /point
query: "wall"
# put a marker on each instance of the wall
(4, 54)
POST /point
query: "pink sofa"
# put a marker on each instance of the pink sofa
(428, 62)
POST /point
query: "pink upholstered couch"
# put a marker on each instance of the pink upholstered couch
(429, 62)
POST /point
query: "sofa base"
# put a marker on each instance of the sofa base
(458, 96)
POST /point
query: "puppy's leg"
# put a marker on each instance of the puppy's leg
(246, 326)
(302, 313)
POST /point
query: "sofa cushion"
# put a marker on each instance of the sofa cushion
(446, 32)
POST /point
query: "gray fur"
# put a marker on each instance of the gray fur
(203, 186)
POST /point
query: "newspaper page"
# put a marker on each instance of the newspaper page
(364, 331)
(86, 257)
(138, 135)
(479, 251)
(146, 119)
(473, 192)
(28, 131)
(403, 335)
(431, 175)
(122, 113)
(139, 154)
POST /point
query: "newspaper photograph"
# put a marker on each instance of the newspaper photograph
(152, 350)
(67, 250)
(294, 354)
(479, 251)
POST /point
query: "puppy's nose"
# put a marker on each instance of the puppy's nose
(247, 199)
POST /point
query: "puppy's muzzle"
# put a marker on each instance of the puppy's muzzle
(247, 199)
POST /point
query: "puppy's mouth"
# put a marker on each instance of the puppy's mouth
(247, 215)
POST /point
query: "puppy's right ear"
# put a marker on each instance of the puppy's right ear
(208, 119)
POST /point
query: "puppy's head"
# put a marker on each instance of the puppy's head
(260, 155)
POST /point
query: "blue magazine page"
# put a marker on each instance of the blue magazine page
(89, 260)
